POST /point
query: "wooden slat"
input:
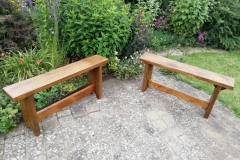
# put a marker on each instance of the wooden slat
(179, 94)
(64, 102)
(36, 84)
(212, 101)
(192, 71)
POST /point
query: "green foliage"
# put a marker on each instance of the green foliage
(223, 26)
(189, 15)
(57, 92)
(162, 40)
(129, 67)
(141, 31)
(16, 29)
(9, 114)
(21, 66)
(46, 19)
(94, 27)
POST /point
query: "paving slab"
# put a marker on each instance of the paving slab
(129, 124)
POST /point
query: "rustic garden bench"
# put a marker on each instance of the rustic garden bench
(220, 82)
(24, 91)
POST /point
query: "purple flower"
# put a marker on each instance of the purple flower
(23, 9)
(34, 10)
(201, 37)
(30, 2)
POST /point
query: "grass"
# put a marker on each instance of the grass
(223, 63)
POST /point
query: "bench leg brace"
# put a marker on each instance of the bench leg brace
(30, 114)
(212, 101)
(95, 77)
(147, 76)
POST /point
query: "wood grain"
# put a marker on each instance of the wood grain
(36, 84)
(64, 102)
(95, 77)
(147, 76)
(212, 101)
(30, 114)
(179, 94)
(192, 71)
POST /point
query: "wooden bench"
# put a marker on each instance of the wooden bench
(25, 90)
(220, 82)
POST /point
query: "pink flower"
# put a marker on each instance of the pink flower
(21, 62)
(38, 61)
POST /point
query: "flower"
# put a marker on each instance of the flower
(51, 31)
(38, 61)
(30, 2)
(21, 62)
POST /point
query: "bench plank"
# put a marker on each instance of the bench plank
(178, 94)
(36, 84)
(192, 71)
(219, 81)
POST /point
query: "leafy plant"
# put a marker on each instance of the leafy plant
(21, 66)
(46, 22)
(129, 67)
(223, 25)
(141, 31)
(162, 40)
(189, 15)
(94, 27)
(9, 114)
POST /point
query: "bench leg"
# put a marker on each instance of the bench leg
(95, 77)
(212, 101)
(147, 76)
(30, 114)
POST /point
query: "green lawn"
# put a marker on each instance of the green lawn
(227, 63)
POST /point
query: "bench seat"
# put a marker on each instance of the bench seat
(24, 91)
(219, 81)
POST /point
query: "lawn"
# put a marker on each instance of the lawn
(226, 63)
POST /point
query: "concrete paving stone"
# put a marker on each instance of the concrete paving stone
(1, 150)
(15, 148)
(78, 110)
(159, 124)
(34, 146)
(50, 124)
(64, 112)
(169, 120)
(152, 115)
(66, 121)
(1, 139)
(92, 108)
(18, 131)
(215, 136)
(39, 157)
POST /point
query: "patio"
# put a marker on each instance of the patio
(129, 124)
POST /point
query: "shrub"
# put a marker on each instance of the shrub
(189, 15)
(129, 67)
(143, 15)
(94, 27)
(16, 29)
(223, 26)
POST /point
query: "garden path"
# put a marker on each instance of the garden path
(129, 124)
